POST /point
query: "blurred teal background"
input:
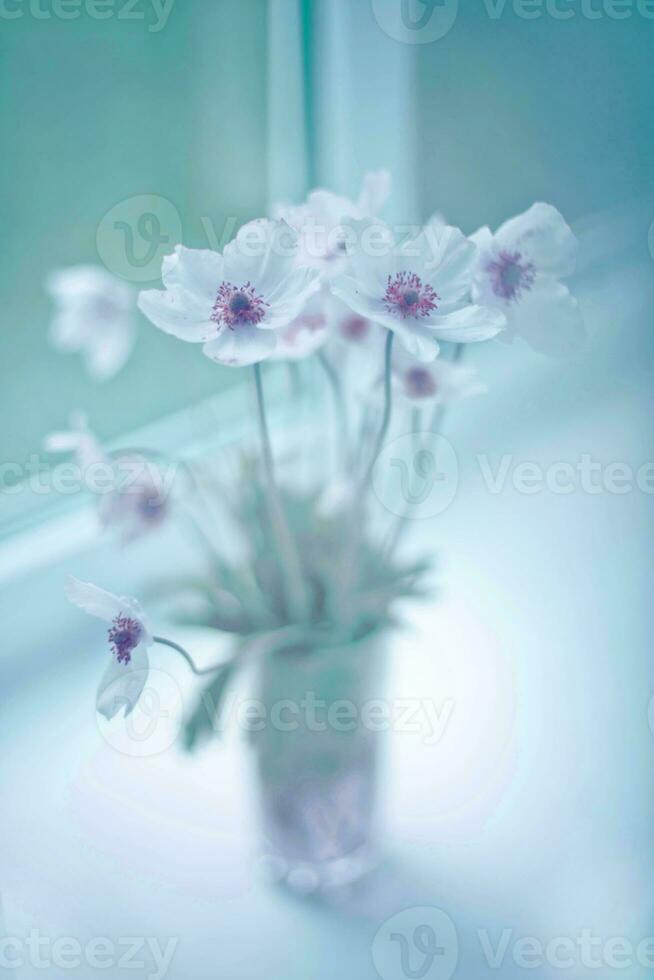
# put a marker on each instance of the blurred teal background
(232, 105)
(535, 812)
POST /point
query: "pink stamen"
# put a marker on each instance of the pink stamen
(124, 635)
(511, 275)
(238, 305)
(407, 296)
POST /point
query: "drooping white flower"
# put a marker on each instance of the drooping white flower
(320, 221)
(306, 333)
(437, 383)
(140, 501)
(129, 636)
(94, 317)
(132, 496)
(418, 287)
(233, 304)
(78, 440)
(518, 271)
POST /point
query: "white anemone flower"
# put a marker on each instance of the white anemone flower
(94, 317)
(233, 304)
(320, 221)
(306, 333)
(79, 440)
(438, 383)
(129, 637)
(419, 288)
(135, 500)
(518, 271)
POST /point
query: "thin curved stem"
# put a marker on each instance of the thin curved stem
(339, 403)
(435, 425)
(286, 547)
(388, 404)
(187, 656)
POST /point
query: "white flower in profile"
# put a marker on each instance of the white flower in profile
(419, 288)
(233, 303)
(79, 440)
(518, 271)
(129, 636)
(320, 221)
(132, 496)
(94, 317)
(306, 333)
(439, 382)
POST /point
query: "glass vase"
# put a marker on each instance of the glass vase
(316, 761)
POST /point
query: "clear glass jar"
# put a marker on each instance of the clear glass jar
(316, 759)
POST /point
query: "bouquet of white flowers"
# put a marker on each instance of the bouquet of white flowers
(310, 585)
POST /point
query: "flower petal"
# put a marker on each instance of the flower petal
(122, 684)
(105, 354)
(548, 318)
(93, 600)
(544, 237)
(177, 313)
(306, 333)
(244, 345)
(449, 261)
(468, 325)
(105, 605)
(263, 253)
(418, 341)
(69, 331)
(78, 283)
(289, 296)
(198, 271)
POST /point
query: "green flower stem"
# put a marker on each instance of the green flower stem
(339, 402)
(296, 595)
(187, 656)
(388, 404)
(435, 425)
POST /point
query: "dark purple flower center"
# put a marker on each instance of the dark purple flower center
(510, 275)
(124, 635)
(151, 508)
(407, 296)
(420, 383)
(355, 328)
(238, 305)
(105, 308)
